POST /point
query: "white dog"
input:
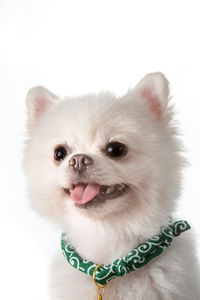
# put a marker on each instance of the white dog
(108, 171)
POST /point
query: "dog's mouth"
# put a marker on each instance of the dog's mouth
(85, 194)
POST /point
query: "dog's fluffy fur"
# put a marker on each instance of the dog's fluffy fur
(102, 232)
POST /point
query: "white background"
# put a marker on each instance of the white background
(74, 47)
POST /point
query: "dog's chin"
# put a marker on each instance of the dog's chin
(106, 193)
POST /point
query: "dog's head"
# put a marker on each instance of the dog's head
(103, 156)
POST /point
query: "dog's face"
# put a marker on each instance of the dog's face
(102, 156)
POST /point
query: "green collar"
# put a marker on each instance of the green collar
(134, 260)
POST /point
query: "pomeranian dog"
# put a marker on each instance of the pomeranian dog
(107, 170)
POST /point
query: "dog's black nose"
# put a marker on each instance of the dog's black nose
(79, 162)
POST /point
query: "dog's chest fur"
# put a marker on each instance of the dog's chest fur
(164, 278)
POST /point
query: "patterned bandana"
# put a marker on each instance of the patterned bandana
(134, 260)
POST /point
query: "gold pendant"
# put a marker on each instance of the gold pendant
(100, 292)
(100, 288)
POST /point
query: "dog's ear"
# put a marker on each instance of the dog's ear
(38, 100)
(153, 90)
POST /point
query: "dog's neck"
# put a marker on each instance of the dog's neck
(102, 241)
(135, 259)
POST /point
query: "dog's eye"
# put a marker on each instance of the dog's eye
(60, 153)
(116, 150)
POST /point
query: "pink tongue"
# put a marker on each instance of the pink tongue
(84, 193)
